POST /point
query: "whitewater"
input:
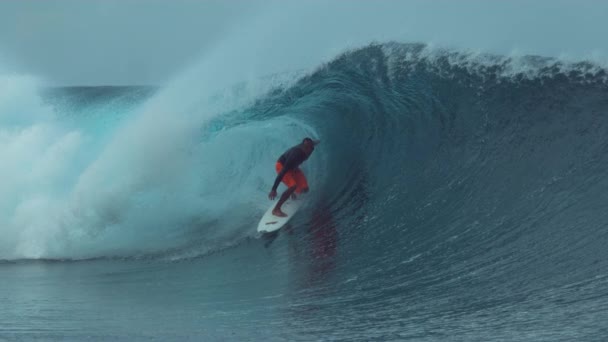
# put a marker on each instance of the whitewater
(456, 195)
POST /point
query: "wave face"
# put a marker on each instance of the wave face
(454, 183)
(451, 194)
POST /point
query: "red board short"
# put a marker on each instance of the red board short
(293, 177)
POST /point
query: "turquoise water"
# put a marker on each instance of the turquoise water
(224, 296)
(453, 197)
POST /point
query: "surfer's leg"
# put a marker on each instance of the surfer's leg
(277, 209)
(302, 183)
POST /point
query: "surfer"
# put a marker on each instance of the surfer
(289, 172)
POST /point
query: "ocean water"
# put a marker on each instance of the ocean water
(454, 196)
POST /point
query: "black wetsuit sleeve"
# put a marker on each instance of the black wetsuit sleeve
(279, 178)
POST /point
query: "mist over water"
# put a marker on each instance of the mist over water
(95, 173)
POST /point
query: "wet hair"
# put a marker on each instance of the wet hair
(307, 139)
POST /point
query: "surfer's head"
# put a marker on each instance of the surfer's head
(309, 145)
(309, 141)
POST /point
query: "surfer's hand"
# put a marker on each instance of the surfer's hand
(272, 194)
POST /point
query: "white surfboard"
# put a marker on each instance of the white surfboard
(270, 223)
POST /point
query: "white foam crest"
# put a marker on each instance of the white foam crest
(512, 67)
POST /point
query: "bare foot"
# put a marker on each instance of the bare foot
(279, 213)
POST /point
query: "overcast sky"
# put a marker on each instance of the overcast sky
(99, 42)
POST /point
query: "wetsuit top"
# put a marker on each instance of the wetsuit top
(290, 160)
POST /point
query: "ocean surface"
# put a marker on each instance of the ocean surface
(454, 197)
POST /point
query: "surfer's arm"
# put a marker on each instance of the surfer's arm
(279, 178)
